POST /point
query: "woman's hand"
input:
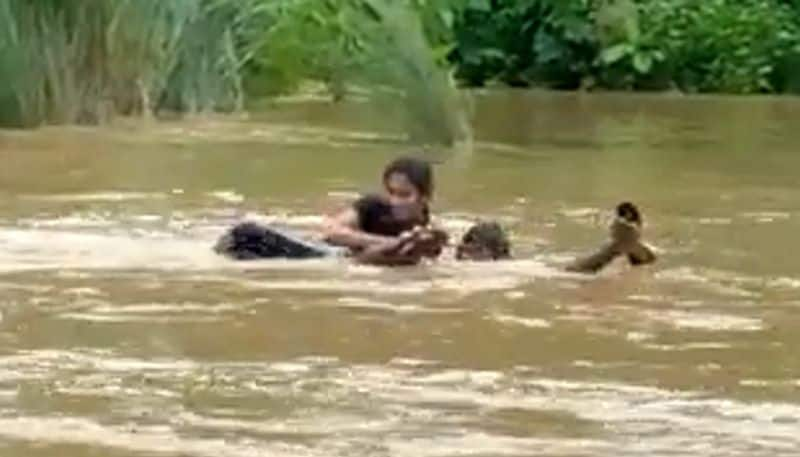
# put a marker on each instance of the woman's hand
(423, 241)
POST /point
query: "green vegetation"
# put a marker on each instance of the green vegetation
(738, 46)
(84, 61)
(395, 49)
(89, 60)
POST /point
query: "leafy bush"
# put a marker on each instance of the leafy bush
(523, 42)
(740, 46)
(723, 45)
(86, 61)
(386, 46)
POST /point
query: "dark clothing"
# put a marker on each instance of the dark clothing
(250, 241)
(379, 217)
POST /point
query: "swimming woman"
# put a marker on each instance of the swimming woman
(406, 181)
(388, 229)
(394, 229)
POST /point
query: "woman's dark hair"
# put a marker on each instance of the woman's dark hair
(417, 171)
(629, 212)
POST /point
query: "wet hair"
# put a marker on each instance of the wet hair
(629, 212)
(417, 171)
(377, 216)
(489, 236)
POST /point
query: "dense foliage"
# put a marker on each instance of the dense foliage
(87, 60)
(739, 46)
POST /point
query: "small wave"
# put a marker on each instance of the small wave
(521, 321)
(96, 197)
(784, 283)
(141, 438)
(722, 283)
(72, 221)
(688, 347)
(705, 321)
(765, 217)
(227, 196)
(715, 221)
(410, 406)
(357, 303)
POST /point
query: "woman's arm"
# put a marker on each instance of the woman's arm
(342, 229)
(408, 249)
(390, 254)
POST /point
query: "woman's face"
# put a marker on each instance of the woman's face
(401, 191)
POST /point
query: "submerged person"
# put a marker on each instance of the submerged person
(412, 242)
(403, 238)
(394, 229)
(382, 229)
(488, 241)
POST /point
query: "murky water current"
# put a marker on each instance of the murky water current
(123, 335)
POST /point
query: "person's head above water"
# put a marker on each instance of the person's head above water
(629, 212)
(484, 241)
(408, 180)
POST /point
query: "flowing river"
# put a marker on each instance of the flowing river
(122, 334)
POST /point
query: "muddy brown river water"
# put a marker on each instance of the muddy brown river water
(123, 335)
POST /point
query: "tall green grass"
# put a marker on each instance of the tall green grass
(388, 47)
(403, 57)
(85, 61)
